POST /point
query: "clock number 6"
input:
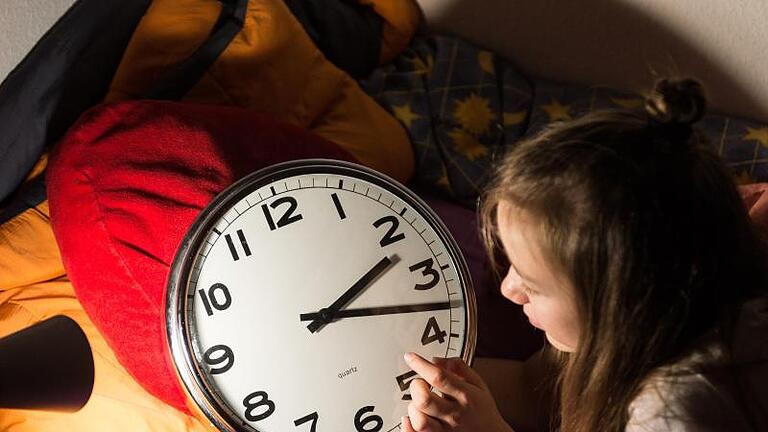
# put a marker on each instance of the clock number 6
(390, 236)
(426, 265)
(311, 417)
(360, 422)
(287, 218)
(211, 300)
(228, 356)
(262, 401)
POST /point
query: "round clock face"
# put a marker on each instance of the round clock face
(298, 290)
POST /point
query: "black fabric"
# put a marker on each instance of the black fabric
(26, 197)
(178, 81)
(348, 33)
(67, 72)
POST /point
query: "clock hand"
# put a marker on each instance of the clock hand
(326, 315)
(380, 310)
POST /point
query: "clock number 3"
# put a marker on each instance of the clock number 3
(426, 265)
(390, 236)
(287, 218)
(262, 400)
(213, 301)
(361, 423)
(307, 418)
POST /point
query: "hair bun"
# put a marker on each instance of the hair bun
(676, 101)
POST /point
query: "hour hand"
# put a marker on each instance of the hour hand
(326, 315)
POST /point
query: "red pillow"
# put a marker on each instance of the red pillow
(125, 184)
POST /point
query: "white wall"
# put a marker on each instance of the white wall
(22, 23)
(611, 42)
(619, 42)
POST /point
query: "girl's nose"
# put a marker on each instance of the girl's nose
(512, 287)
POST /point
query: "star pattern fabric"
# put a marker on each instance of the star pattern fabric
(742, 143)
(462, 106)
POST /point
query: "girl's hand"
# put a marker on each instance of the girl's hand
(466, 403)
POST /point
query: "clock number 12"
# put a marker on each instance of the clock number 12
(287, 218)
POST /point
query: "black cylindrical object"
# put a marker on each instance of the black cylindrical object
(48, 366)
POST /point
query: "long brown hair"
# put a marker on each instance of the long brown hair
(648, 226)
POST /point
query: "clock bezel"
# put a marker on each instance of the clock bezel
(182, 344)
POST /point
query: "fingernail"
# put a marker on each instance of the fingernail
(408, 357)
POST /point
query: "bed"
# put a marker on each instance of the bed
(500, 69)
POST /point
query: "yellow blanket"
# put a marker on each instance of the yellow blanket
(273, 67)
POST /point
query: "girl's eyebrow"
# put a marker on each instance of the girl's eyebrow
(528, 278)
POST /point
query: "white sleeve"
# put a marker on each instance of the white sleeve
(689, 403)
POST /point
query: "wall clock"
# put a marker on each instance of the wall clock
(296, 292)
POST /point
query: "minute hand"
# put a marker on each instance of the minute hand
(326, 315)
(381, 310)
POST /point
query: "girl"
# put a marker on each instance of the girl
(628, 245)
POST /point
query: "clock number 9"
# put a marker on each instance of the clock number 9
(390, 236)
(228, 356)
(251, 406)
(360, 423)
(211, 301)
(426, 265)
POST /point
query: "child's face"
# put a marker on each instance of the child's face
(545, 293)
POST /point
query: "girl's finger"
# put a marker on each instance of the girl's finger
(422, 422)
(438, 377)
(428, 402)
(406, 424)
(460, 368)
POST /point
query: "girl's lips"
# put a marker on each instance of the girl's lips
(533, 322)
